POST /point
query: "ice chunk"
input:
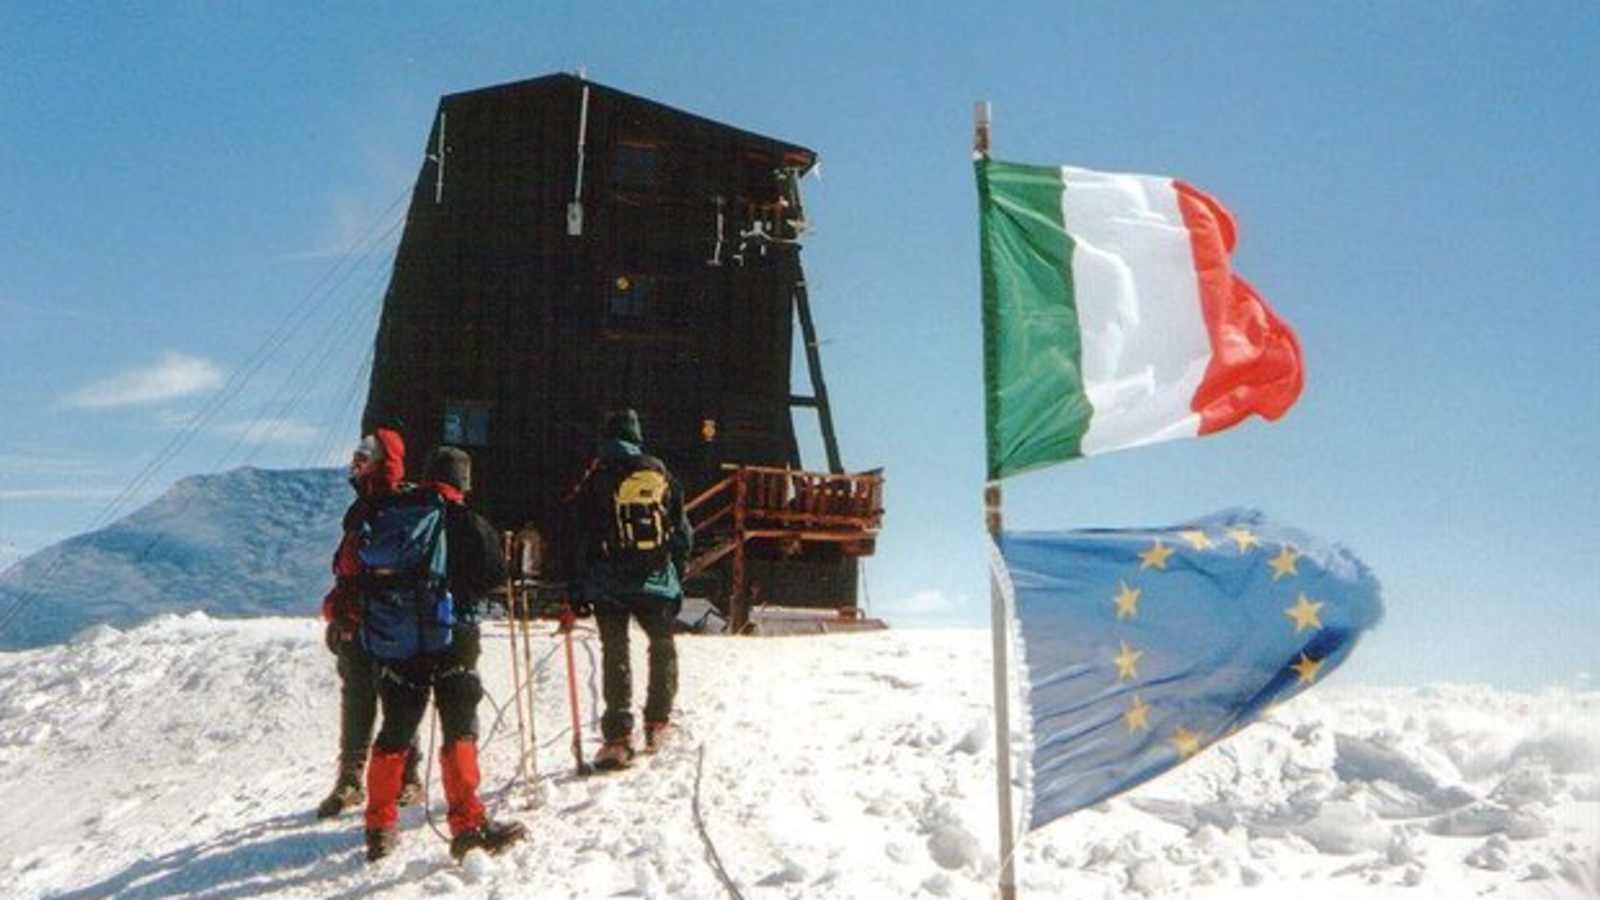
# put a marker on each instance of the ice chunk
(1344, 828)
(954, 847)
(1527, 784)
(1488, 819)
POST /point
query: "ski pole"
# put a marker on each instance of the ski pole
(535, 789)
(516, 674)
(568, 620)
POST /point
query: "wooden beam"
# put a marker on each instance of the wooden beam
(808, 333)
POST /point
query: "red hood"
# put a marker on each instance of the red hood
(391, 470)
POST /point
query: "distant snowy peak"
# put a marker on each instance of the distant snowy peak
(246, 542)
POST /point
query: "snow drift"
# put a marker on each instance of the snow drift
(184, 757)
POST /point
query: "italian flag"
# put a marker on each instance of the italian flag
(1112, 317)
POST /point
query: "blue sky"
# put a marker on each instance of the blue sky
(1414, 187)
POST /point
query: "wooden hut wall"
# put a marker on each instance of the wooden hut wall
(494, 311)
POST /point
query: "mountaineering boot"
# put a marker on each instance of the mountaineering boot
(411, 792)
(656, 735)
(381, 842)
(491, 837)
(347, 790)
(384, 773)
(458, 769)
(614, 755)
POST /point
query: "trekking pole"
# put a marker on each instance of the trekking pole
(516, 674)
(535, 788)
(568, 620)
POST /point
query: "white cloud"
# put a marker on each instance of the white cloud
(929, 606)
(336, 457)
(923, 602)
(175, 375)
(40, 463)
(171, 418)
(353, 224)
(59, 493)
(271, 431)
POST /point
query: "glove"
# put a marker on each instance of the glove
(338, 635)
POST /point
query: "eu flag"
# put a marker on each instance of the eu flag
(1143, 646)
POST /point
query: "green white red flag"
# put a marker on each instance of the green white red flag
(1112, 317)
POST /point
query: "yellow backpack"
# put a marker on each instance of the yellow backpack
(640, 527)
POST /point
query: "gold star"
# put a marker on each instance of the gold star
(1155, 557)
(1197, 539)
(1244, 538)
(1138, 715)
(1127, 601)
(1304, 614)
(1186, 742)
(1127, 663)
(1307, 667)
(1283, 563)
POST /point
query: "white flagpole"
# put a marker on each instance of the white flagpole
(1002, 638)
(999, 621)
(1001, 627)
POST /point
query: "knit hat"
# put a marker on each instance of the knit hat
(370, 448)
(452, 466)
(623, 425)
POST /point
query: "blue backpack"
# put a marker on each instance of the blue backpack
(408, 611)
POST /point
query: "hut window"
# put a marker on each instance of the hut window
(466, 423)
(634, 167)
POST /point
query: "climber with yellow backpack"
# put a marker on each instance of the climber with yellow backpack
(634, 541)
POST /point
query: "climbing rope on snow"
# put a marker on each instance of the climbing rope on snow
(594, 689)
(700, 826)
(500, 708)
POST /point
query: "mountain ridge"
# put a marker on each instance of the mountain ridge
(245, 542)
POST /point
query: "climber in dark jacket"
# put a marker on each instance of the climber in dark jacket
(377, 466)
(619, 588)
(473, 565)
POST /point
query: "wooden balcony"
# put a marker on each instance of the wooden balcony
(785, 507)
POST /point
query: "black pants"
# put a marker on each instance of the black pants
(358, 698)
(656, 616)
(452, 678)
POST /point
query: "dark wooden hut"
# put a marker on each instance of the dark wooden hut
(571, 249)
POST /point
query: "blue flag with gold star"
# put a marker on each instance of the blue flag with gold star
(1141, 647)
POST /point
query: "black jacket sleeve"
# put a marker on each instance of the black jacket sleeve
(591, 517)
(475, 562)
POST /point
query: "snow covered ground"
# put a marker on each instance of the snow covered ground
(183, 758)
